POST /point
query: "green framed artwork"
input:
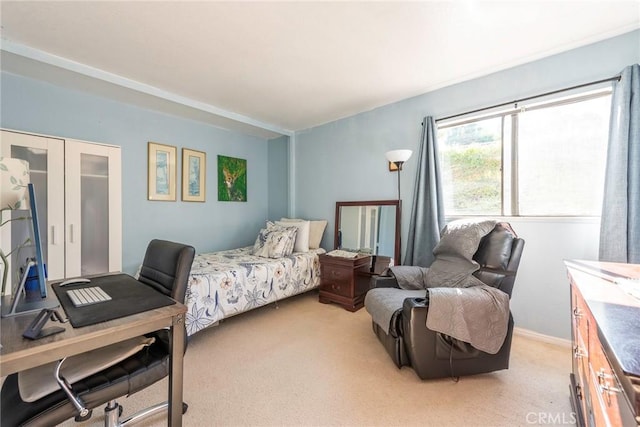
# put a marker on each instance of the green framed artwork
(232, 179)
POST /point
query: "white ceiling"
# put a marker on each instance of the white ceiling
(277, 67)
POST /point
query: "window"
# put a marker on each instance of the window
(545, 160)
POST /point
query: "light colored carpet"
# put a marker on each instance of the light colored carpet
(310, 364)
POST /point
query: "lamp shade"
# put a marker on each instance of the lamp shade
(396, 156)
(14, 177)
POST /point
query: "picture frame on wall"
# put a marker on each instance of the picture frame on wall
(194, 173)
(162, 172)
(232, 179)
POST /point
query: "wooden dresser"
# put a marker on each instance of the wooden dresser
(605, 382)
(344, 281)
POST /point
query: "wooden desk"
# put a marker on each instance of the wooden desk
(18, 353)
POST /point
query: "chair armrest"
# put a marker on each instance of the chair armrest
(383, 282)
(420, 342)
(414, 312)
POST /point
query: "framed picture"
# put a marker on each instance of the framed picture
(194, 172)
(232, 179)
(162, 172)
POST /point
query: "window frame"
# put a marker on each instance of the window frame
(509, 147)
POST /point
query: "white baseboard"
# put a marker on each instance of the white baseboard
(541, 337)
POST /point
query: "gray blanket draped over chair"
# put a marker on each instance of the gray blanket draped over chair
(460, 305)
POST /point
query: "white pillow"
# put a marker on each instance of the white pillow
(302, 237)
(316, 231)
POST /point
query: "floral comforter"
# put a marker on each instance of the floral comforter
(223, 284)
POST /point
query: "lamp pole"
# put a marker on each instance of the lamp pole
(398, 157)
(399, 168)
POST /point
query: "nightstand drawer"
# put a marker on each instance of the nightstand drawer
(334, 274)
(342, 288)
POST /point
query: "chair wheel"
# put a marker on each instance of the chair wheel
(184, 408)
(120, 410)
(80, 419)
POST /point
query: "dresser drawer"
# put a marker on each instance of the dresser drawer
(606, 388)
(580, 315)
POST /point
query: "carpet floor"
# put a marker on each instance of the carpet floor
(302, 363)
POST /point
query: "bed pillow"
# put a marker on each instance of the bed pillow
(275, 241)
(281, 242)
(302, 236)
(316, 230)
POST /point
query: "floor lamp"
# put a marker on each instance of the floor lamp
(396, 159)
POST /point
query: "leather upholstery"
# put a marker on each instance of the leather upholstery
(166, 267)
(435, 355)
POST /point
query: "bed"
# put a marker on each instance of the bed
(226, 283)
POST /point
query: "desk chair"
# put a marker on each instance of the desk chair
(166, 268)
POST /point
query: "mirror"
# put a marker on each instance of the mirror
(371, 227)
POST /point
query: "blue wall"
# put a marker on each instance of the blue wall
(35, 106)
(344, 160)
(278, 177)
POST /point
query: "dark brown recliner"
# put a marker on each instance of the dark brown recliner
(434, 355)
(166, 268)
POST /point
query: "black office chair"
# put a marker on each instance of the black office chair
(166, 268)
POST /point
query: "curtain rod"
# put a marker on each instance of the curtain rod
(616, 78)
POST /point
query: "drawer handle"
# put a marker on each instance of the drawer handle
(579, 392)
(603, 376)
(604, 387)
(610, 389)
(578, 352)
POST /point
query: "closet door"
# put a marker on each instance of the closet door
(93, 208)
(46, 164)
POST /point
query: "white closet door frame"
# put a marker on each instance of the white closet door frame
(73, 150)
(55, 204)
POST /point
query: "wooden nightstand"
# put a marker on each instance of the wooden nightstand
(344, 281)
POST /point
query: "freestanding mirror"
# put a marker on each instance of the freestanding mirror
(371, 226)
